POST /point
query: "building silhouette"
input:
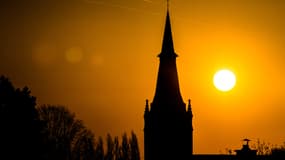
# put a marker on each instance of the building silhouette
(168, 125)
(168, 130)
(245, 151)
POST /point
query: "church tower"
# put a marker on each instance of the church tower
(168, 125)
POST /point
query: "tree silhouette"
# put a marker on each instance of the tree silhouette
(135, 153)
(278, 153)
(116, 148)
(110, 153)
(99, 150)
(125, 148)
(66, 137)
(262, 148)
(84, 146)
(52, 132)
(20, 134)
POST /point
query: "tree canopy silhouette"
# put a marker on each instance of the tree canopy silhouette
(20, 134)
(66, 137)
(127, 149)
(50, 132)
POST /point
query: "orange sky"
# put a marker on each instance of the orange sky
(99, 58)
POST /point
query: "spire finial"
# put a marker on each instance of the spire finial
(167, 1)
(167, 44)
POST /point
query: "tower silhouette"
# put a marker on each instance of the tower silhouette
(168, 125)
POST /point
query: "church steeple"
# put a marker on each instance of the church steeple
(167, 93)
(168, 125)
(167, 49)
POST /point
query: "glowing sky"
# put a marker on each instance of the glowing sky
(99, 58)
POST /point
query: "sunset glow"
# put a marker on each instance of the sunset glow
(99, 58)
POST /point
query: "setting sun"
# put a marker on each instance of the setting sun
(224, 80)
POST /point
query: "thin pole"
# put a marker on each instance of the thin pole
(167, 4)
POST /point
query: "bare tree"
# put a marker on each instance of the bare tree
(83, 148)
(66, 136)
(262, 148)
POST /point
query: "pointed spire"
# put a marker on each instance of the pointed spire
(146, 106)
(167, 93)
(167, 43)
(146, 111)
(189, 109)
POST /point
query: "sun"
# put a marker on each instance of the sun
(224, 80)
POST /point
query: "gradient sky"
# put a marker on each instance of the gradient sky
(99, 58)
